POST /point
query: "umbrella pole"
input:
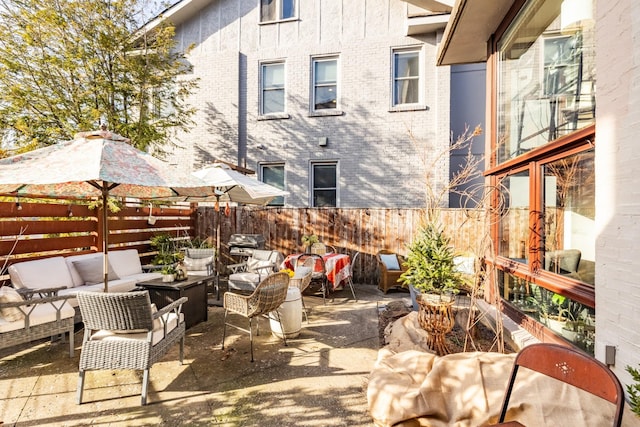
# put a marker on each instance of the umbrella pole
(105, 236)
(218, 250)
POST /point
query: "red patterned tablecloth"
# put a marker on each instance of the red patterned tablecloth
(337, 266)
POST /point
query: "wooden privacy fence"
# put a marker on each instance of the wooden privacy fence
(51, 227)
(38, 228)
(349, 230)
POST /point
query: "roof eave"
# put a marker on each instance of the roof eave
(471, 25)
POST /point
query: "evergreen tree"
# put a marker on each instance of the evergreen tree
(69, 65)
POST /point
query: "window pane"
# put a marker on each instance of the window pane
(324, 176)
(288, 9)
(268, 10)
(273, 75)
(546, 79)
(569, 215)
(273, 101)
(325, 97)
(406, 92)
(514, 222)
(407, 64)
(326, 71)
(324, 198)
(274, 175)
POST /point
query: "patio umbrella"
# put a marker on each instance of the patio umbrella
(95, 165)
(229, 185)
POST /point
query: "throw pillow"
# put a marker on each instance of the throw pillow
(197, 264)
(390, 261)
(10, 314)
(90, 270)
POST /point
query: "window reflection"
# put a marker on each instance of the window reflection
(514, 223)
(569, 216)
(546, 74)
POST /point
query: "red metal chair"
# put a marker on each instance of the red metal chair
(571, 367)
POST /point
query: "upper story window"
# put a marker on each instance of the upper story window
(273, 174)
(277, 10)
(324, 184)
(546, 76)
(407, 80)
(272, 89)
(325, 83)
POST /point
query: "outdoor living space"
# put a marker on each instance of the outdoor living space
(319, 379)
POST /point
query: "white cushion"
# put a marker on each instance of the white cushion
(390, 261)
(91, 270)
(75, 275)
(10, 314)
(253, 264)
(158, 331)
(42, 313)
(200, 252)
(125, 262)
(197, 264)
(41, 273)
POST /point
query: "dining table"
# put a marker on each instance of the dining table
(337, 267)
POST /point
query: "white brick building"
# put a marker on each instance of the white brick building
(381, 151)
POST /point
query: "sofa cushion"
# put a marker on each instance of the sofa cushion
(91, 270)
(11, 314)
(390, 261)
(42, 313)
(75, 275)
(41, 273)
(200, 252)
(170, 318)
(197, 264)
(125, 262)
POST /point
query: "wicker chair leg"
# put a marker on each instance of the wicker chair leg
(80, 387)
(224, 328)
(71, 343)
(145, 386)
(182, 350)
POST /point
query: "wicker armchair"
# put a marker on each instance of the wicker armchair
(41, 313)
(122, 331)
(270, 293)
(389, 276)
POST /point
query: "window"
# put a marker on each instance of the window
(546, 78)
(514, 222)
(272, 88)
(324, 184)
(276, 10)
(325, 83)
(406, 77)
(273, 174)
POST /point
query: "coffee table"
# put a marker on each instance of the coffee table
(194, 288)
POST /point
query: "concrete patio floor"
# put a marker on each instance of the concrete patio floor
(319, 379)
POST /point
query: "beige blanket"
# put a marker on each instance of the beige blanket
(414, 387)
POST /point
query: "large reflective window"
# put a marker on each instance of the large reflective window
(565, 317)
(569, 216)
(546, 75)
(514, 221)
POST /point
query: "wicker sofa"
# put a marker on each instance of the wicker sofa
(29, 315)
(80, 273)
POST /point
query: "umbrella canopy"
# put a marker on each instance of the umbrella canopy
(95, 165)
(232, 186)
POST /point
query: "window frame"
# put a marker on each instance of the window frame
(262, 89)
(262, 167)
(312, 188)
(314, 85)
(279, 11)
(420, 104)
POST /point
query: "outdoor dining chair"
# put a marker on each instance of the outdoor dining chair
(354, 258)
(317, 276)
(122, 331)
(270, 293)
(569, 366)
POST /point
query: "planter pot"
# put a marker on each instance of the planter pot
(168, 278)
(435, 315)
(556, 323)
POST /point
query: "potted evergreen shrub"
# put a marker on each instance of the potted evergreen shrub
(432, 273)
